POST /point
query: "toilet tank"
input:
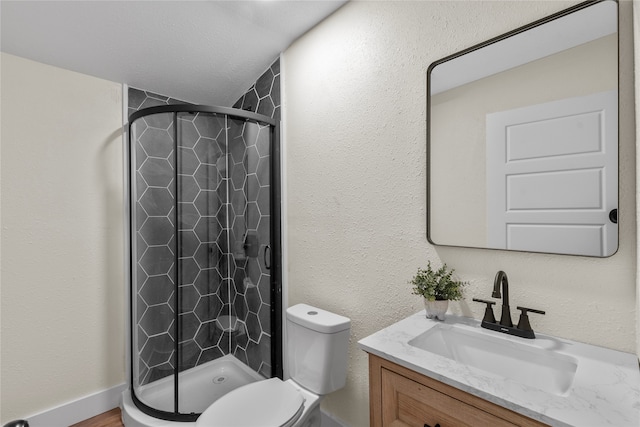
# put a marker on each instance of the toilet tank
(317, 346)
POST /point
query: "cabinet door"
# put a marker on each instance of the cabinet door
(407, 403)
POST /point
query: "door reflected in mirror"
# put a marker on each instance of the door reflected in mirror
(523, 138)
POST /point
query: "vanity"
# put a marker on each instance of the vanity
(400, 396)
(425, 372)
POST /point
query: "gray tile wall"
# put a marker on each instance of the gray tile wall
(218, 279)
(252, 303)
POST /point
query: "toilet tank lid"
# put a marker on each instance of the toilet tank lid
(317, 319)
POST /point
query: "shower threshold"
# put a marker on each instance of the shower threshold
(199, 387)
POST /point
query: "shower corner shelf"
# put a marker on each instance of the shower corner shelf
(229, 324)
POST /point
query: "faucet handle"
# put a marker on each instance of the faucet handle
(488, 312)
(523, 323)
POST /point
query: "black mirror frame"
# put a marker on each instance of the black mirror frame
(473, 48)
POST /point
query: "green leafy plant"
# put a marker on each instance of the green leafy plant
(437, 284)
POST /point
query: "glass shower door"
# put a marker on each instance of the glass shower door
(154, 249)
(202, 245)
(203, 259)
(250, 234)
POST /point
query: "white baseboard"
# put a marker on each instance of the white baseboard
(328, 420)
(97, 403)
(78, 410)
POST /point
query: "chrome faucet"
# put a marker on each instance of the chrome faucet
(501, 279)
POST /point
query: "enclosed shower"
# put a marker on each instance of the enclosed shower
(205, 256)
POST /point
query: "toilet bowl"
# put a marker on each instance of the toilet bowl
(316, 347)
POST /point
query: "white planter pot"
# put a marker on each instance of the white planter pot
(436, 309)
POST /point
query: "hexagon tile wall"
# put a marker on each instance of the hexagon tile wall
(224, 287)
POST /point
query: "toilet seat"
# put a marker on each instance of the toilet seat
(268, 403)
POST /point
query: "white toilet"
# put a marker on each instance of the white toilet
(316, 346)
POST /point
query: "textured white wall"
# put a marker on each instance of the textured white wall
(62, 241)
(354, 117)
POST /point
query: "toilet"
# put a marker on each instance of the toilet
(316, 346)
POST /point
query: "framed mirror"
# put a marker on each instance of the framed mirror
(522, 138)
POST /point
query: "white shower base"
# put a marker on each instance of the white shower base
(199, 387)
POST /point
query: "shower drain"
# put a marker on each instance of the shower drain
(219, 380)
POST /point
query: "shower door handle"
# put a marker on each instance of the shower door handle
(267, 263)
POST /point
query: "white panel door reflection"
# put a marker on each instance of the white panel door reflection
(552, 176)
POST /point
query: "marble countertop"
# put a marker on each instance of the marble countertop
(605, 390)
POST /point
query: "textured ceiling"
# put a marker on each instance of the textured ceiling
(207, 52)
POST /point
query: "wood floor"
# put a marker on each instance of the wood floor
(108, 419)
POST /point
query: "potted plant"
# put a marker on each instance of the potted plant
(437, 287)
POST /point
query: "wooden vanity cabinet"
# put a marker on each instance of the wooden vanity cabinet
(400, 397)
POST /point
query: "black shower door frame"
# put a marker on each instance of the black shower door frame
(275, 244)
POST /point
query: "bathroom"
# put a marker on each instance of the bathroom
(354, 204)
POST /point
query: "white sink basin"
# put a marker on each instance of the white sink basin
(508, 357)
